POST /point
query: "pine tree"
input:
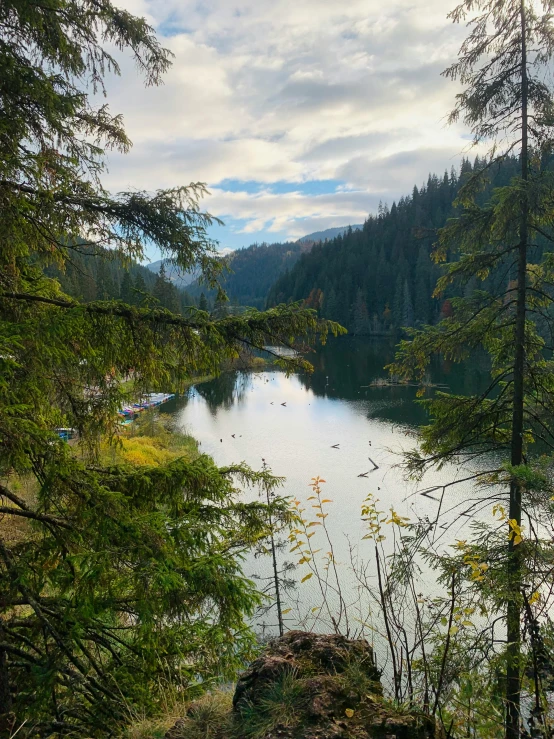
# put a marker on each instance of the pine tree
(422, 287)
(361, 316)
(398, 301)
(203, 303)
(121, 577)
(330, 304)
(161, 287)
(140, 290)
(407, 306)
(126, 289)
(506, 96)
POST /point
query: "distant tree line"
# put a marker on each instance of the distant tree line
(88, 278)
(381, 278)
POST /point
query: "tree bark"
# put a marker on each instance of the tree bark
(6, 716)
(513, 669)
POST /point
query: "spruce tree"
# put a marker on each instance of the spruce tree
(113, 578)
(140, 291)
(500, 242)
(203, 303)
(361, 316)
(126, 289)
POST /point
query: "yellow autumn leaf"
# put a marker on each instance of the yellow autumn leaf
(349, 712)
(315, 609)
(453, 630)
(307, 577)
(327, 500)
(287, 610)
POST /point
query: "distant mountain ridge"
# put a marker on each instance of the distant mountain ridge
(330, 233)
(253, 270)
(173, 273)
(182, 279)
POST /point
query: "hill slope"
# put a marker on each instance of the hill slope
(378, 279)
(253, 271)
(88, 278)
(173, 273)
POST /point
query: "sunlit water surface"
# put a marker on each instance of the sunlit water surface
(293, 422)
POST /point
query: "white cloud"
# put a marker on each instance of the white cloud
(294, 90)
(292, 212)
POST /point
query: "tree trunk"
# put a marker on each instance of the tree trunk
(513, 669)
(275, 570)
(5, 695)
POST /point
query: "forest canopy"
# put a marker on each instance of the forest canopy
(381, 278)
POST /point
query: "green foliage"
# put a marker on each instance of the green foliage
(250, 272)
(86, 277)
(279, 705)
(211, 717)
(502, 242)
(127, 575)
(379, 279)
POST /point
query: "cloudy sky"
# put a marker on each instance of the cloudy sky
(300, 115)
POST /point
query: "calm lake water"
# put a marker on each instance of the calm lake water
(293, 423)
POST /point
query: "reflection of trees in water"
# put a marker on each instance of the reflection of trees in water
(225, 390)
(345, 367)
(342, 367)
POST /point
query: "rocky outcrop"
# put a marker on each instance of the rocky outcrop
(338, 695)
(305, 686)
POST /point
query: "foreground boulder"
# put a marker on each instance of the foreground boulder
(314, 686)
(305, 686)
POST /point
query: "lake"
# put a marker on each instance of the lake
(294, 422)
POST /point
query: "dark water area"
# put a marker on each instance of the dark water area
(345, 366)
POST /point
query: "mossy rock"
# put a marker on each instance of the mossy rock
(305, 686)
(314, 686)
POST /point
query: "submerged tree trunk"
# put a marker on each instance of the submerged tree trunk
(513, 670)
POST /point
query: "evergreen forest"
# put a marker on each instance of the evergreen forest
(250, 272)
(92, 275)
(380, 279)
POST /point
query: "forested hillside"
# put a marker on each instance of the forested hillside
(381, 278)
(88, 278)
(252, 272)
